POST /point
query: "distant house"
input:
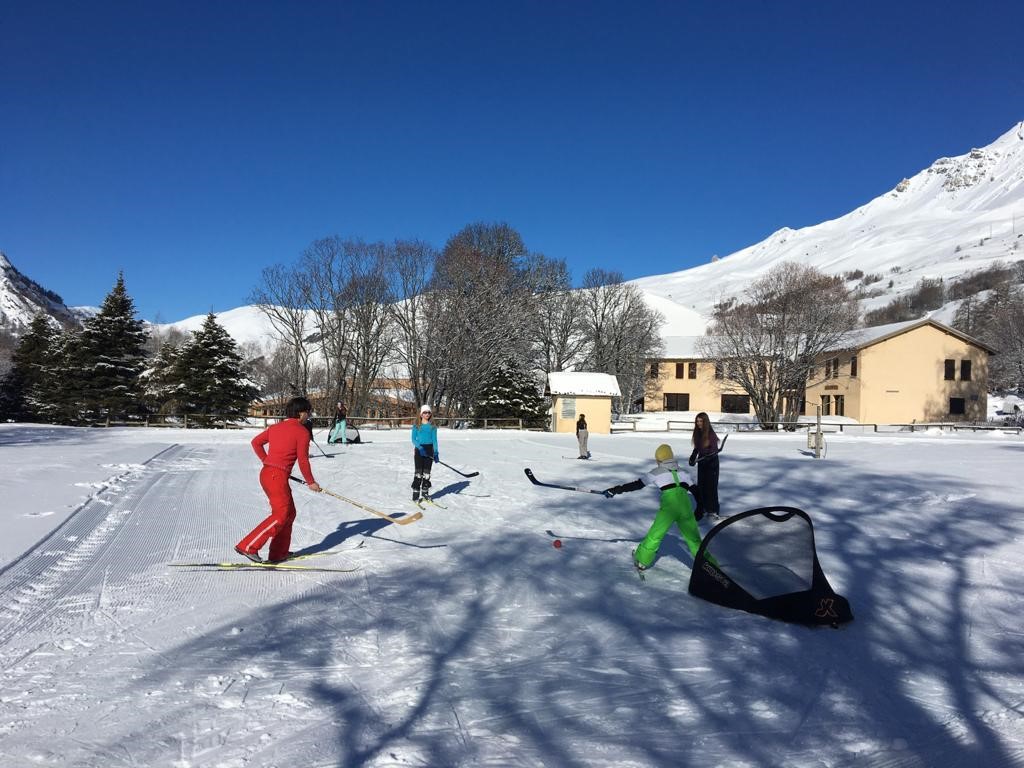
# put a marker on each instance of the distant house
(919, 370)
(684, 380)
(573, 393)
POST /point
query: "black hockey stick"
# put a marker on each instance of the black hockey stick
(457, 472)
(314, 442)
(708, 456)
(535, 481)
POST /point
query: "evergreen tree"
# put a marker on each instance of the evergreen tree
(511, 393)
(159, 379)
(24, 387)
(62, 391)
(210, 375)
(112, 357)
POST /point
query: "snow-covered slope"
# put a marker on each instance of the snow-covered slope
(954, 217)
(246, 325)
(21, 299)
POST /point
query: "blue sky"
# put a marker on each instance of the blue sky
(192, 144)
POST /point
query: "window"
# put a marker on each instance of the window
(677, 402)
(735, 404)
(950, 370)
(653, 373)
(835, 367)
(957, 406)
(826, 405)
(853, 367)
(680, 370)
(692, 371)
(965, 370)
(840, 405)
(719, 370)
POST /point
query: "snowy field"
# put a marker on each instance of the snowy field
(467, 639)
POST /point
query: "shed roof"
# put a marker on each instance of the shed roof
(582, 383)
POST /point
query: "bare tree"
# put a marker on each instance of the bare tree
(327, 264)
(620, 331)
(371, 328)
(410, 267)
(476, 311)
(554, 323)
(767, 345)
(998, 320)
(283, 296)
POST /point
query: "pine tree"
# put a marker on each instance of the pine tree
(112, 357)
(24, 387)
(511, 393)
(159, 379)
(62, 391)
(210, 376)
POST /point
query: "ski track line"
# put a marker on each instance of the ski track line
(37, 587)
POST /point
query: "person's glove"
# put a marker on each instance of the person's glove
(437, 455)
(608, 493)
(420, 451)
(693, 462)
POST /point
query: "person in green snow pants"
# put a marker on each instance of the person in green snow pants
(675, 507)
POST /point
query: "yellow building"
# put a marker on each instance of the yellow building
(574, 393)
(684, 380)
(919, 370)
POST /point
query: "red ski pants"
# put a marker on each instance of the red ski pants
(277, 528)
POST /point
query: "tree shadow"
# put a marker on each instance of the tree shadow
(504, 655)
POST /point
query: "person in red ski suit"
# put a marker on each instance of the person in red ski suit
(289, 442)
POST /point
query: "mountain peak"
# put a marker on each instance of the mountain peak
(22, 298)
(958, 215)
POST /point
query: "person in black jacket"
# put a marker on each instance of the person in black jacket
(581, 436)
(705, 456)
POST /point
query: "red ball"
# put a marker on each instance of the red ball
(557, 543)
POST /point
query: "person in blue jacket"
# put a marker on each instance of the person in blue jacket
(424, 441)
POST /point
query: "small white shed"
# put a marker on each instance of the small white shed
(578, 392)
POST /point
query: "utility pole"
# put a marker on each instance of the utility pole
(817, 436)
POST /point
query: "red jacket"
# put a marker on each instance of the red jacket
(289, 441)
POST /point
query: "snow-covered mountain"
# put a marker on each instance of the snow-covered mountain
(246, 325)
(21, 299)
(956, 216)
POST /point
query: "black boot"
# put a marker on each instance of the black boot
(425, 487)
(416, 481)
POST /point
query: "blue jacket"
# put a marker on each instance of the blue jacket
(424, 434)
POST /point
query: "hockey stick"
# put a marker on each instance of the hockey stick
(396, 520)
(535, 481)
(314, 442)
(453, 469)
(708, 456)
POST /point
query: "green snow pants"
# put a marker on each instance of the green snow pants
(675, 508)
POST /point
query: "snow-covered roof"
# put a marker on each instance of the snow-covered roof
(583, 383)
(681, 346)
(865, 337)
